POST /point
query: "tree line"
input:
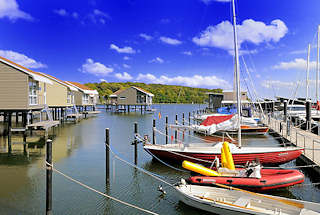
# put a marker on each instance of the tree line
(162, 93)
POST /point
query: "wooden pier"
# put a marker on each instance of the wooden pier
(302, 138)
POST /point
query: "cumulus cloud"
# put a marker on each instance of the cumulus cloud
(126, 66)
(156, 60)
(126, 49)
(126, 58)
(98, 16)
(192, 81)
(10, 9)
(298, 64)
(124, 76)
(146, 36)
(95, 68)
(103, 80)
(276, 84)
(187, 53)
(21, 59)
(221, 35)
(61, 12)
(170, 41)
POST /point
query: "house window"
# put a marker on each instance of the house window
(141, 98)
(122, 97)
(85, 99)
(33, 97)
(69, 97)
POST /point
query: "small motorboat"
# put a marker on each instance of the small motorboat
(270, 179)
(233, 201)
(252, 177)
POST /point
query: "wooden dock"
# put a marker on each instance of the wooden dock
(302, 138)
(43, 125)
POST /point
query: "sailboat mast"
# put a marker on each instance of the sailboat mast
(317, 72)
(237, 75)
(307, 78)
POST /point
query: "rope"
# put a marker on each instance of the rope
(137, 167)
(96, 191)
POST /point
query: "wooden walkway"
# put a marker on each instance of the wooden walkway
(43, 125)
(305, 139)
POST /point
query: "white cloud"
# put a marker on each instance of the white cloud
(276, 84)
(170, 41)
(103, 80)
(126, 58)
(298, 52)
(165, 21)
(124, 76)
(126, 66)
(146, 37)
(75, 15)
(126, 49)
(298, 64)
(156, 60)
(221, 35)
(22, 59)
(98, 16)
(192, 81)
(61, 12)
(95, 68)
(10, 9)
(187, 53)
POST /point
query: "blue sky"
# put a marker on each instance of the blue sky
(170, 42)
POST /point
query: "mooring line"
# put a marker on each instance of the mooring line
(96, 191)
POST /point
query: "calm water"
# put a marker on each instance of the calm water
(79, 151)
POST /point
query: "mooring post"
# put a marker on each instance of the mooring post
(167, 134)
(49, 178)
(308, 115)
(154, 132)
(189, 121)
(9, 131)
(24, 123)
(107, 155)
(176, 132)
(135, 143)
(285, 106)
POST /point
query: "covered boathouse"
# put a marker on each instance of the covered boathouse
(132, 97)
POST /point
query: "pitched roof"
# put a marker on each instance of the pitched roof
(143, 90)
(115, 94)
(81, 86)
(36, 75)
(59, 81)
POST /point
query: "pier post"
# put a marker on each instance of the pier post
(141, 109)
(308, 115)
(24, 123)
(154, 132)
(167, 138)
(49, 178)
(189, 121)
(285, 107)
(9, 131)
(182, 118)
(107, 155)
(135, 143)
(17, 117)
(176, 132)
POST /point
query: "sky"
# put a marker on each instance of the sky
(187, 43)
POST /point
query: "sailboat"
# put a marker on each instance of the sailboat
(207, 153)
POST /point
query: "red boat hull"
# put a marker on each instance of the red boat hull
(270, 179)
(272, 158)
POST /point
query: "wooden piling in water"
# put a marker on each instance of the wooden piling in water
(308, 115)
(154, 132)
(176, 132)
(9, 132)
(107, 143)
(167, 134)
(189, 121)
(49, 178)
(135, 143)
